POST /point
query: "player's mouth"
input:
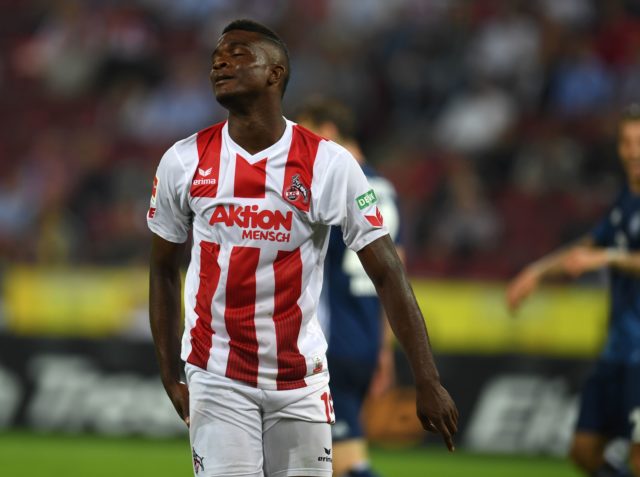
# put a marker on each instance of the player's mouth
(222, 78)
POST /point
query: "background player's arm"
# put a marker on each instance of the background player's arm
(164, 317)
(436, 409)
(628, 262)
(574, 260)
(557, 263)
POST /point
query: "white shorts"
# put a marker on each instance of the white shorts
(239, 430)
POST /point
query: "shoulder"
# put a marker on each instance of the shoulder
(184, 154)
(199, 140)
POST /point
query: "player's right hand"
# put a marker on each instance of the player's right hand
(521, 287)
(437, 412)
(179, 394)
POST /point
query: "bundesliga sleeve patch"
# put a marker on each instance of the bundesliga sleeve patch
(366, 199)
(152, 205)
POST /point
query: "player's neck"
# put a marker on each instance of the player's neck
(256, 128)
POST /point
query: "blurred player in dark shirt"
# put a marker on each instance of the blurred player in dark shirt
(610, 403)
(360, 354)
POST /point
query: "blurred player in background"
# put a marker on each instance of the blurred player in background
(360, 341)
(260, 194)
(610, 403)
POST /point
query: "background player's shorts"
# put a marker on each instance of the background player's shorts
(239, 430)
(350, 380)
(610, 402)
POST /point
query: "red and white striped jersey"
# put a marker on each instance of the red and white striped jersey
(260, 232)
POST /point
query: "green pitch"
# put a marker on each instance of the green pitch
(24, 454)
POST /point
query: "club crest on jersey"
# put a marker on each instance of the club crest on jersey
(297, 190)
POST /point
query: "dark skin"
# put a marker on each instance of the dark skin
(247, 75)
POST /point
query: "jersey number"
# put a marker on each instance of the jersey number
(328, 406)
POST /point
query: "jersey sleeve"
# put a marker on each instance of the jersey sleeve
(169, 214)
(388, 206)
(346, 199)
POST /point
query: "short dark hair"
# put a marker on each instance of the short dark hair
(251, 25)
(320, 110)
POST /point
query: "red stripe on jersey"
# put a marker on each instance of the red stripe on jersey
(202, 332)
(239, 315)
(250, 179)
(298, 172)
(205, 179)
(287, 316)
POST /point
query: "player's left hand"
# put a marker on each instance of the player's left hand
(584, 259)
(437, 412)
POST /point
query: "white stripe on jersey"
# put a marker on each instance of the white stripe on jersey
(260, 227)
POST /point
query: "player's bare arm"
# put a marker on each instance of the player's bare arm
(435, 408)
(384, 378)
(565, 261)
(628, 262)
(164, 316)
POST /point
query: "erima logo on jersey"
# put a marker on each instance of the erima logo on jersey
(366, 199)
(204, 173)
(258, 224)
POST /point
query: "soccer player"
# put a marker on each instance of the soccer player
(610, 402)
(259, 194)
(350, 314)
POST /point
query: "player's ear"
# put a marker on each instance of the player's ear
(277, 74)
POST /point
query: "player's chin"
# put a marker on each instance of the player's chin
(226, 95)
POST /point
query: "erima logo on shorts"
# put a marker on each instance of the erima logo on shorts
(198, 461)
(326, 457)
(366, 199)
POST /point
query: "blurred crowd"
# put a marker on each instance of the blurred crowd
(495, 119)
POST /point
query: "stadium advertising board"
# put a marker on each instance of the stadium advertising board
(508, 403)
(463, 317)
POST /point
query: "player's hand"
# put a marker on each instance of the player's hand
(179, 394)
(521, 287)
(584, 259)
(437, 412)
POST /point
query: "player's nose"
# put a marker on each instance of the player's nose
(220, 63)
